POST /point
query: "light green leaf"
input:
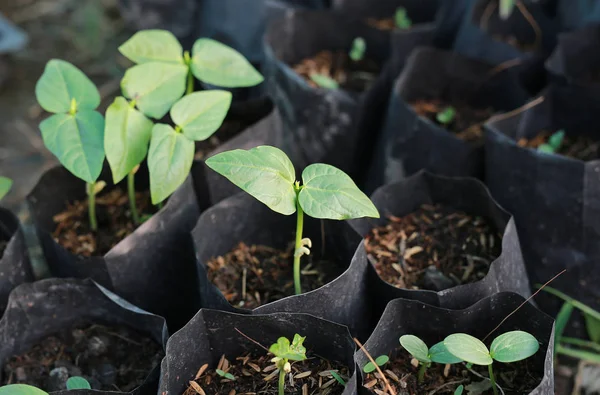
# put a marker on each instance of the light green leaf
(126, 137)
(60, 83)
(21, 389)
(324, 81)
(201, 114)
(329, 193)
(155, 86)
(359, 47)
(468, 348)
(369, 367)
(153, 46)
(382, 360)
(5, 185)
(416, 347)
(440, 354)
(78, 383)
(459, 390)
(506, 8)
(77, 141)
(284, 350)
(169, 161)
(217, 64)
(264, 172)
(401, 18)
(513, 346)
(446, 116)
(584, 355)
(556, 140)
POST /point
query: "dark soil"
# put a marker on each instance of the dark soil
(268, 274)
(401, 372)
(467, 124)
(386, 24)
(258, 375)
(114, 222)
(350, 75)
(434, 247)
(110, 358)
(577, 147)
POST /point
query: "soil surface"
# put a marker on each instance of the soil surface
(258, 375)
(467, 124)
(577, 147)
(401, 372)
(350, 75)
(386, 24)
(250, 276)
(434, 247)
(110, 358)
(114, 222)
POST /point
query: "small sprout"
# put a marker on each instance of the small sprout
(284, 352)
(401, 19)
(380, 361)
(5, 185)
(338, 377)
(21, 389)
(359, 47)
(228, 376)
(446, 116)
(419, 350)
(78, 383)
(459, 390)
(554, 143)
(324, 81)
(506, 8)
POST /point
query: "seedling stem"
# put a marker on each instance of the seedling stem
(131, 191)
(299, 249)
(281, 381)
(422, 370)
(492, 379)
(91, 192)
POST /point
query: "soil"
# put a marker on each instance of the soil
(514, 378)
(258, 375)
(434, 248)
(577, 147)
(386, 24)
(350, 75)
(110, 358)
(3, 245)
(73, 230)
(267, 274)
(467, 124)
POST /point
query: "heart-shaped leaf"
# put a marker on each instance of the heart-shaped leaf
(514, 346)
(77, 141)
(201, 114)
(284, 350)
(78, 383)
(217, 64)
(5, 185)
(153, 46)
(169, 161)
(126, 137)
(468, 348)
(21, 389)
(60, 84)
(329, 193)
(416, 347)
(155, 86)
(264, 172)
(440, 354)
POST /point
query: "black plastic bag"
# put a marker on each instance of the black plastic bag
(433, 324)
(575, 14)
(38, 310)
(409, 143)
(211, 334)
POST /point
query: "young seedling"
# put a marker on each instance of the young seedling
(324, 81)
(5, 185)
(267, 174)
(78, 383)
(75, 131)
(554, 143)
(446, 116)
(509, 347)
(506, 8)
(401, 19)
(73, 383)
(285, 352)
(228, 376)
(338, 377)
(419, 350)
(358, 50)
(459, 390)
(380, 361)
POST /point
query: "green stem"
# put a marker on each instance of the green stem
(422, 370)
(92, 205)
(492, 379)
(190, 82)
(299, 226)
(281, 381)
(131, 192)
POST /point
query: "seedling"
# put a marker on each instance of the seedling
(401, 19)
(358, 50)
(324, 81)
(228, 376)
(554, 143)
(459, 390)
(78, 383)
(446, 116)
(506, 8)
(419, 350)
(380, 361)
(509, 347)
(338, 377)
(285, 352)
(267, 174)
(73, 383)
(5, 185)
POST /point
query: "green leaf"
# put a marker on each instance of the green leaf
(446, 116)
(401, 18)
(169, 161)
(562, 319)
(575, 353)
(359, 47)
(506, 8)
(416, 347)
(369, 367)
(546, 148)
(440, 354)
(217, 64)
(201, 114)
(153, 46)
(229, 376)
(21, 389)
(126, 137)
(297, 349)
(337, 377)
(78, 383)
(556, 140)
(295, 352)
(77, 141)
(382, 360)
(60, 83)
(580, 342)
(324, 81)
(329, 193)
(468, 348)
(593, 327)
(577, 304)
(459, 390)
(5, 185)
(264, 172)
(513, 346)
(155, 86)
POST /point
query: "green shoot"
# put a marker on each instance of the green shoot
(506, 8)
(267, 174)
(459, 390)
(380, 361)
(554, 143)
(446, 116)
(78, 383)
(21, 389)
(324, 81)
(338, 377)
(225, 375)
(401, 19)
(285, 352)
(358, 50)
(419, 350)
(5, 185)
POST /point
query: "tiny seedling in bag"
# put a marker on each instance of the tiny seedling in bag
(5, 185)
(401, 19)
(267, 174)
(419, 350)
(506, 8)
(380, 361)
(554, 143)
(324, 81)
(225, 375)
(285, 352)
(446, 116)
(358, 50)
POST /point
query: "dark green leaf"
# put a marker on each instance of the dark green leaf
(78, 383)
(416, 347)
(324, 81)
(577, 304)
(582, 343)
(440, 354)
(562, 319)
(200, 114)
(401, 18)
(21, 389)
(513, 346)
(153, 46)
(338, 377)
(556, 140)
(592, 325)
(5, 185)
(468, 348)
(459, 390)
(579, 354)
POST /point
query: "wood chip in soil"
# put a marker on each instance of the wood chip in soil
(73, 230)
(435, 248)
(350, 75)
(267, 274)
(258, 375)
(110, 358)
(578, 147)
(467, 124)
(514, 378)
